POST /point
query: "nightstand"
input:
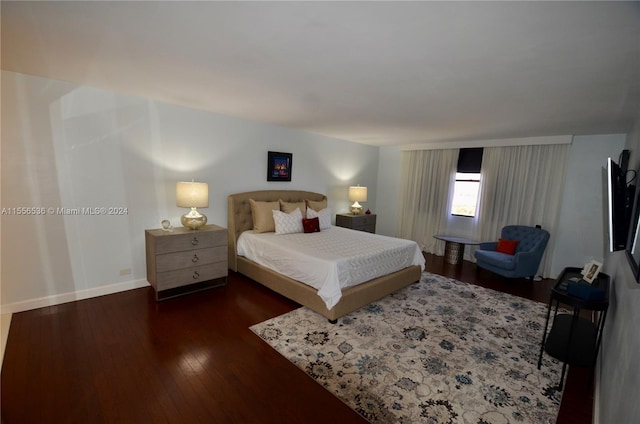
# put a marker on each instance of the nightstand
(361, 222)
(184, 260)
(573, 339)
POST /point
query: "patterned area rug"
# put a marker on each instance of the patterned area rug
(439, 351)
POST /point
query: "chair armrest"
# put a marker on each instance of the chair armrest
(489, 245)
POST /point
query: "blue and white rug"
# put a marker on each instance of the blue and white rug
(439, 351)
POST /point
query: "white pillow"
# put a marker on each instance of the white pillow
(288, 223)
(324, 216)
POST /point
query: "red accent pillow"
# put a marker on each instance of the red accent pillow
(311, 225)
(507, 246)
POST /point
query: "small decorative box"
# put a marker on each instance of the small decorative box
(585, 291)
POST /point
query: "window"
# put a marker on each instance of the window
(467, 185)
(465, 194)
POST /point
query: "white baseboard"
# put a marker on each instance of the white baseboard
(70, 297)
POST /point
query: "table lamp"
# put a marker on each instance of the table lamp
(357, 194)
(192, 195)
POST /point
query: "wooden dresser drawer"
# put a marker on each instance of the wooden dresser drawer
(190, 258)
(196, 274)
(364, 222)
(190, 241)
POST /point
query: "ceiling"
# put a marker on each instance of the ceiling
(379, 73)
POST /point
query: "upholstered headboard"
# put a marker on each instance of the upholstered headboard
(239, 212)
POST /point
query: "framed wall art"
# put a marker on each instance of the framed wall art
(279, 166)
(591, 271)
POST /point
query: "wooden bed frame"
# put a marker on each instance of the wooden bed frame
(239, 220)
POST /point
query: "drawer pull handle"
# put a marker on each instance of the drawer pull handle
(194, 242)
(195, 259)
(196, 275)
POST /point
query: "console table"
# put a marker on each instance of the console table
(574, 340)
(454, 248)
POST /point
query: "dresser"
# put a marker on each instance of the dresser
(363, 222)
(184, 260)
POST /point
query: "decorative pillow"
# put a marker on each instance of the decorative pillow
(507, 246)
(288, 207)
(317, 206)
(288, 223)
(311, 225)
(324, 217)
(262, 216)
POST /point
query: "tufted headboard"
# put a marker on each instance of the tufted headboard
(239, 212)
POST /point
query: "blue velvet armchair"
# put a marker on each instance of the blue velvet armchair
(525, 262)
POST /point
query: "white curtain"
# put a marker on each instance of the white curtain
(522, 185)
(427, 178)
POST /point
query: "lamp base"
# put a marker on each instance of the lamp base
(356, 209)
(193, 220)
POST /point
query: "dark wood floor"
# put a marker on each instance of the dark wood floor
(125, 358)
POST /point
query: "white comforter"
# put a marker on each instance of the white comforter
(332, 259)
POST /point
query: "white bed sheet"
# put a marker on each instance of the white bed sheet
(332, 259)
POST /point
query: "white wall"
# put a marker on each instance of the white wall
(581, 234)
(79, 147)
(618, 388)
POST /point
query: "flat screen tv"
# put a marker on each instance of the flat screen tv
(617, 203)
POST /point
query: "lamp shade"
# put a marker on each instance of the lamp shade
(357, 194)
(191, 194)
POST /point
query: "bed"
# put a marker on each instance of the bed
(240, 220)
